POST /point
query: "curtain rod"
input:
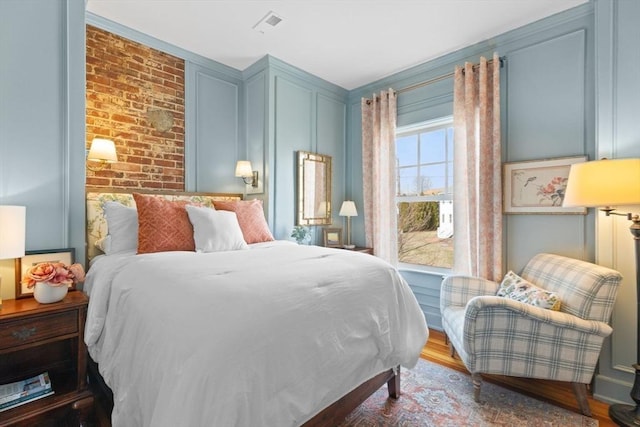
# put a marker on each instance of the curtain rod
(444, 76)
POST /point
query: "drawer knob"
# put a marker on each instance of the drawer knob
(23, 333)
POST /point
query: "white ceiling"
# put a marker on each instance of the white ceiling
(347, 42)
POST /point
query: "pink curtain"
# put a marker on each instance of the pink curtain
(477, 174)
(378, 170)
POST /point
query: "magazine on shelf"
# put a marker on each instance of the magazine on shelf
(21, 392)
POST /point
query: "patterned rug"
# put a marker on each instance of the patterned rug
(433, 395)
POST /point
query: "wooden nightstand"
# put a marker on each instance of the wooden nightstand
(37, 338)
(361, 249)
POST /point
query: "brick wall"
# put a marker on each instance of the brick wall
(135, 97)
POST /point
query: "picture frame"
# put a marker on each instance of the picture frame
(538, 186)
(332, 237)
(65, 255)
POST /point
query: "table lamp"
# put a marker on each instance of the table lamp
(348, 209)
(603, 184)
(12, 233)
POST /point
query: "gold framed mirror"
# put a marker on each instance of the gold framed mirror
(314, 189)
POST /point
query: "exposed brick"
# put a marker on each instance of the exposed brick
(150, 184)
(124, 80)
(98, 182)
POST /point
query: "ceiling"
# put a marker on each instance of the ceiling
(347, 42)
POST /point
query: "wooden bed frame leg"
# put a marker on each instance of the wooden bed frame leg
(394, 384)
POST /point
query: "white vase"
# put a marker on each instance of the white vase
(44, 293)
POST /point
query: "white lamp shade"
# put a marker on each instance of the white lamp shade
(244, 169)
(12, 231)
(348, 208)
(102, 150)
(602, 183)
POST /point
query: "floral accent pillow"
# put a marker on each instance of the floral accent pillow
(163, 225)
(516, 288)
(250, 217)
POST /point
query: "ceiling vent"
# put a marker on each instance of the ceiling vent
(268, 23)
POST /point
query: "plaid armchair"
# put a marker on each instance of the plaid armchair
(497, 335)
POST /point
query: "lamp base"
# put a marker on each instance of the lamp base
(628, 415)
(349, 246)
(625, 415)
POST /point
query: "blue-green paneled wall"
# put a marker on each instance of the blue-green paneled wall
(617, 103)
(42, 108)
(547, 112)
(299, 112)
(569, 87)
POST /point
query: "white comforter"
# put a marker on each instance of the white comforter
(262, 337)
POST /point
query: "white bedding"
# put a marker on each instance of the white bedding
(267, 336)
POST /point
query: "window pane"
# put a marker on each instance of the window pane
(407, 150)
(433, 179)
(432, 146)
(425, 233)
(408, 181)
(425, 176)
(449, 189)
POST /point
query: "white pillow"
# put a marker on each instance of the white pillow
(214, 230)
(104, 244)
(122, 225)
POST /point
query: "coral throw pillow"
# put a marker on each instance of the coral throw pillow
(163, 225)
(250, 217)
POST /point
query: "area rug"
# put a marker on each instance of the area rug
(434, 395)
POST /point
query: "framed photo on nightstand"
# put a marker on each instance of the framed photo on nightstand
(31, 258)
(332, 237)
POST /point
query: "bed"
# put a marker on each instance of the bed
(270, 333)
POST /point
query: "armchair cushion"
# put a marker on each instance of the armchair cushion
(516, 288)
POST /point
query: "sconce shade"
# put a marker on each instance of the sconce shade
(348, 208)
(601, 183)
(244, 169)
(102, 150)
(12, 231)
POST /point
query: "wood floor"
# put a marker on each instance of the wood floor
(436, 350)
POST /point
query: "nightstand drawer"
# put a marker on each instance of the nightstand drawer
(27, 330)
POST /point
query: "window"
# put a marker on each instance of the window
(424, 193)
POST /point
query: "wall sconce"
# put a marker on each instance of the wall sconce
(12, 233)
(246, 172)
(102, 151)
(607, 183)
(348, 209)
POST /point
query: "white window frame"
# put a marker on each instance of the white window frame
(417, 128)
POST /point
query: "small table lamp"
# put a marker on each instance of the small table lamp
(12, 233)
(348, 209)
(607, 183)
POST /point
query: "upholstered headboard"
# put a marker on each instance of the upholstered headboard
(96, 197)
